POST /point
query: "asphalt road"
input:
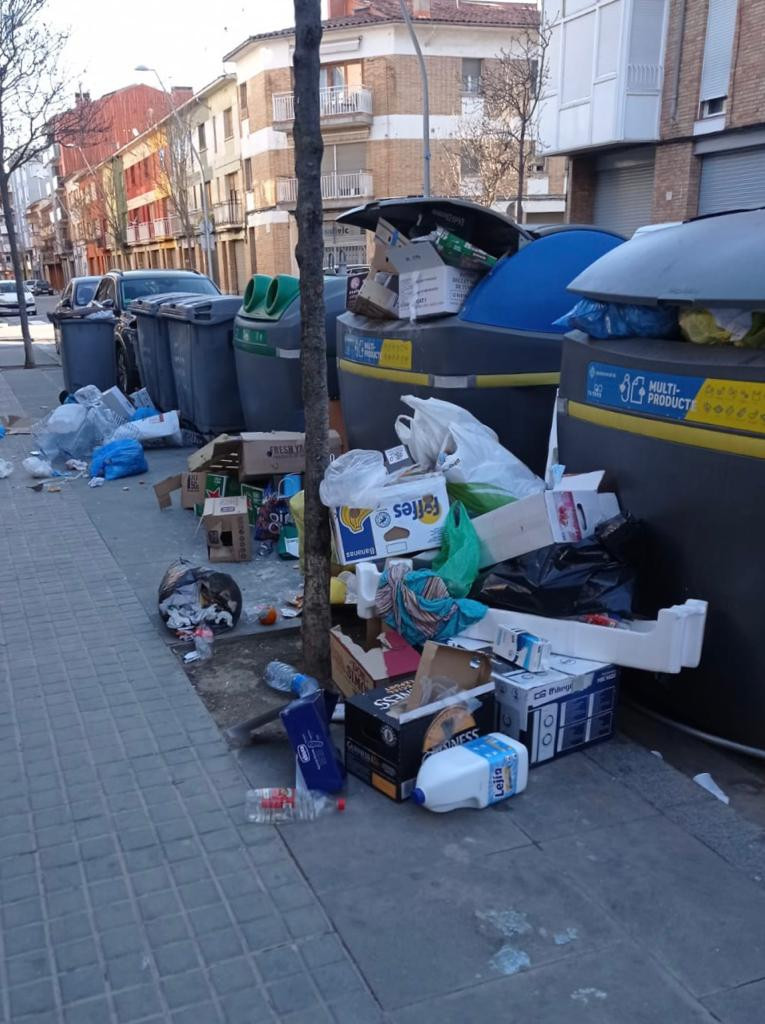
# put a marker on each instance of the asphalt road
(45, 304)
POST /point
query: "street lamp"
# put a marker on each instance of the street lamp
(425, 102)
(198, 158)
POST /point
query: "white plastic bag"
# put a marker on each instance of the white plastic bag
(6, 468)
(425, 433)
(37, 467)
(356, 479)
(472, 456)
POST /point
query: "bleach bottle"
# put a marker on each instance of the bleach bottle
(479, 773)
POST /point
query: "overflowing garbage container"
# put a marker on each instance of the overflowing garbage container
(153, 348)
(267, 350)
(680, 427)
(88, 352)
(497, 354)
(200, 332)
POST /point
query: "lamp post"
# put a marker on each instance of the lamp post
(195, 153)
(425, 102)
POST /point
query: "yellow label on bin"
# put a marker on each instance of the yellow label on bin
(737, 404)
(396, 354)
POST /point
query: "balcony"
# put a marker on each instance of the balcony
(338, 188)
(162, 228)
(339, 106)
(228, 215)
(605, 88)
(345, 255)
(131, 234)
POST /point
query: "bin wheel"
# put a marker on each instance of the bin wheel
(127, 373)
(63, 395)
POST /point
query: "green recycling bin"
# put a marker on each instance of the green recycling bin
(267, 350)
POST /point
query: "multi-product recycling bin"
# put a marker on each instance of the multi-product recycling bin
(153, 348)
(88, 352)
(200, 332)
(267, 350)
(680, 430)
(499, 357)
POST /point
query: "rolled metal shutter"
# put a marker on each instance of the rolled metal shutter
(733, 180)
(624, 198)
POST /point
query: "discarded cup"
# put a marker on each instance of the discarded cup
(279, 806)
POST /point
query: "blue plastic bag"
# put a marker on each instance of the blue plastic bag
(603, 320)
(144, 413)
(118, 459)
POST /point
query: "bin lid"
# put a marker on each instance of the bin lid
(203, 309)
(491, 231)
(149, 304)
(335, 287)
(709, 261)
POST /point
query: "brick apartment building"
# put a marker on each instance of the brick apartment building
(660, 105)
(371, 114)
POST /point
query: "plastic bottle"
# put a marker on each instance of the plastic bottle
(204, 638)
(281, 676)
(278, 806)
(479, 773)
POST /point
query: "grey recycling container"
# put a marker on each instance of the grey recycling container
(200, 332)
(153, 348)
(499, 357)
(267, 350)
(88, 352)
(680, 430)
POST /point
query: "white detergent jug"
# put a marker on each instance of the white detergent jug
(476, 774)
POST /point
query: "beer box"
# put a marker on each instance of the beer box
(391, 729)
(411, 518)
(227, 527)
(569, 706)
(195, 488)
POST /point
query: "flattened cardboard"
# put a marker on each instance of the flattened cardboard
(356, 670)
(263, 454)
(226, 524)
(221, 455)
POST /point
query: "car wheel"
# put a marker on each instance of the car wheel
(127, 374)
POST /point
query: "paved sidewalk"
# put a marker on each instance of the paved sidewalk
(614, 891)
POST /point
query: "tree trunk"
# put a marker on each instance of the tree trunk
(18, 271)
(313, 343)
(521, 177)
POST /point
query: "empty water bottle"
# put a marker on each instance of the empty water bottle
(279, 806)
(281, 676)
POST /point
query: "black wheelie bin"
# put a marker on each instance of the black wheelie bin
(680, 430)
(153, 348)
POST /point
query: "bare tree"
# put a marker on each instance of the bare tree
(176, 176)
(33, 96)
(313, 342)
(488, 158)
(99, 206)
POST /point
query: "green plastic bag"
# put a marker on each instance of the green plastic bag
(457, 561)
(479, 498)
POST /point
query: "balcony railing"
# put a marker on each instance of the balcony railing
(352, 185)
(131, 234)
(228, 214)
(340, 101)
(144, 232)
(162, 227)
(344, 255)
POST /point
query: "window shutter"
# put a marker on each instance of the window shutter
(718, 47)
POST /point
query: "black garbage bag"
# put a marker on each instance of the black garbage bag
(596, 575)
(190, 595)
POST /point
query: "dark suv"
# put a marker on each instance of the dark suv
(117, 290)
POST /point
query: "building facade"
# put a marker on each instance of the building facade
(660, 105)
(371, 104)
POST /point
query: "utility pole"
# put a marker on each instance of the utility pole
(425, 94)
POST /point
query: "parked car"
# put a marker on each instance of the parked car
(9, 300)
(38, 286)
(75, 298)
(117, 290)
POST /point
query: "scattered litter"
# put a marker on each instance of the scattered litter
(51, 488)
(2, 431)
(118, 459)
(275, 806)
(6, 468)
(190, 595)
(290, 613)
(268, 616)
(38, 468)
(584, 995)
(125, 488)
(658, 753)
(705, 780)
(567, 935)
(204, 640)
(96, 481)
(77, 465)
(285, 678)
(476, 774)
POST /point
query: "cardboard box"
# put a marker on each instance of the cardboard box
(411, 518)
(221, 455)
(569, 706)
(550, 517)
(390, 730)
(386, 238)
(525, 650)
(116, 402)
(306, 722)
(195, 488)
(427, 286)
(254, 496)
(263, 454)
(377, 298)
(353, 285)
(356, 670)
(227, 526)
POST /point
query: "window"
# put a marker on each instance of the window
(248, 174)
(469, 165)
(228, 123)
(135, 288)
(243, 112)
(471, 75)
(105, 291)
(718, 48)
(84, 293)
(333, 76)
(710, 108)
(232, 192)
(201, 138)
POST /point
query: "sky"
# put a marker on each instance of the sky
(183, 39)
